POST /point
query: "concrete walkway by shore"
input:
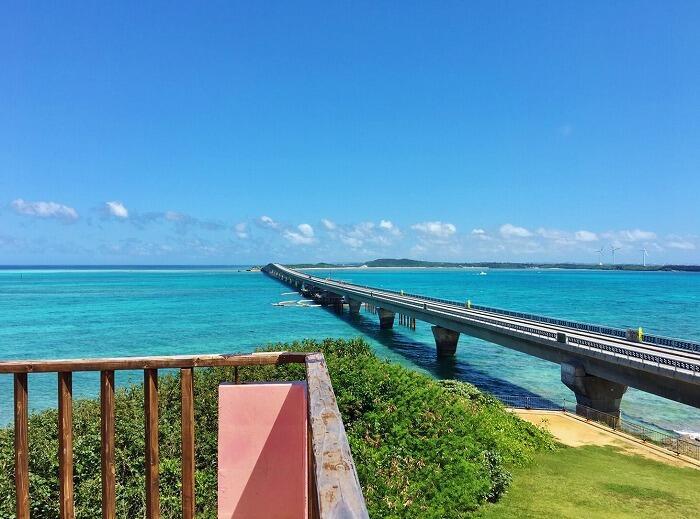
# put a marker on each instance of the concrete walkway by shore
(575, 431)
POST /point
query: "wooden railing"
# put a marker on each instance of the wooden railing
(334, 490)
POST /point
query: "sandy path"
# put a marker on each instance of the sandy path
(574, 431)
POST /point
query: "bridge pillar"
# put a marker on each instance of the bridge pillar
(386, 319)
(592, 392)
(354, 306)
(445, 341)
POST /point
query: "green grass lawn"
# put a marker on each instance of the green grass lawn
(598, 482)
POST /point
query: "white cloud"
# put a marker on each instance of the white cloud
(268, 222)
(183, 222)
(356, 235)
(437, 229)
(44, 210)
(306, 230)
(328, 224)
(297, 238)
(174, 216)
(351, 241)
(364, 228)
(390, 227)
(511, 231)
(327, 240)
(481, 235)
(304, 235)
(117, 209)
(365, 235)
(585, 236)
(638, 235)
(681, 244)
(633, 235)
(552, 234)
(241, 230)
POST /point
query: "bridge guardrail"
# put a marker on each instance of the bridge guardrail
(603, 330)
(552, 335)
(674, 443)
(636, 354)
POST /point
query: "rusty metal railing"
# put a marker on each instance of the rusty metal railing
(334, 487)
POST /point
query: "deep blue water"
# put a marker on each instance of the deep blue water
(89, 313)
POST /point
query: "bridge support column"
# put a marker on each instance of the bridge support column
(386, 319)
(354, 306)
(593, 392)
(445, 341)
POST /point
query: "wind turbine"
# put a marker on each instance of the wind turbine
(613, 249)
(644, 256)
(600, 255)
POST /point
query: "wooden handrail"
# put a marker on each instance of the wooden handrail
(338, 491)
(334, 488)
(131, 363)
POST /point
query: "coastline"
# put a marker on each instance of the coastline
(495, 265)
(584, 269)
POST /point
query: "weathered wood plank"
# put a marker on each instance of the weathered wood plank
(21, 447)
(107, 450)
(150, 399)
(338, 491)
(187, 387)
(175, 361)
(65, 444)
(311, 492)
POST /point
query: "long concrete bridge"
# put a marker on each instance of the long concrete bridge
(597, 363)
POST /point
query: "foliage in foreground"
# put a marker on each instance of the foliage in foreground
(422, 448)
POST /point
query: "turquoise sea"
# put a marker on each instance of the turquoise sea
(67, 313)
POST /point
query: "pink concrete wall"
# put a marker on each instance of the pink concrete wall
(263, 451)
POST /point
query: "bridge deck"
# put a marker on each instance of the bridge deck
(547, 340)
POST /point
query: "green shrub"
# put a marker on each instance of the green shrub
(422, 448)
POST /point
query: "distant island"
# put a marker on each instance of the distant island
(407, 263)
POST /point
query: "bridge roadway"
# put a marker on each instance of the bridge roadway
(597, 367)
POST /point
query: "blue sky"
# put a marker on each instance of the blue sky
(293, 131)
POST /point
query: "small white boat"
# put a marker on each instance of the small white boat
(482, 273)
(285, 303)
